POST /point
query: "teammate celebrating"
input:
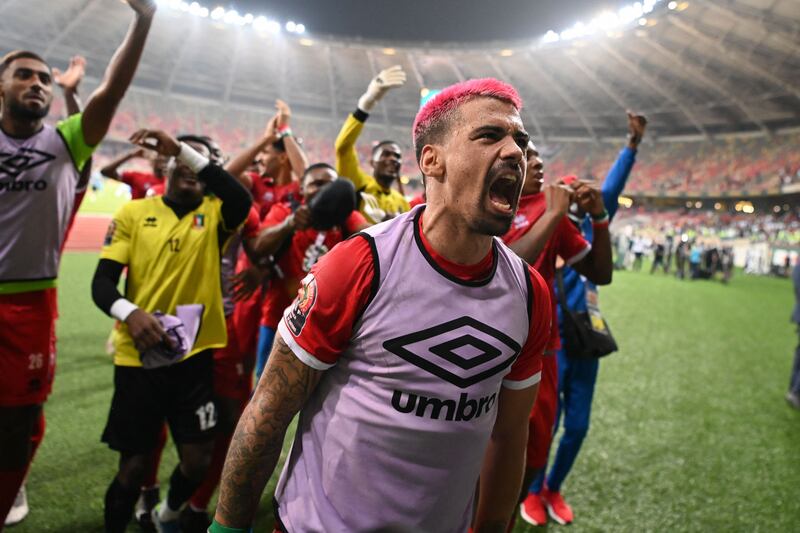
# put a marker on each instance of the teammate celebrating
(576, 377)
(378, 200)
(38, 178)
(171, 318)
(413, 351)
(139, 182)
(280, 161)
(289, 233)
(541, 233)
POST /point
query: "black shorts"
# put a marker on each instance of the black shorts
(181, 394)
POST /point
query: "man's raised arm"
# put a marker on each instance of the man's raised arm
(282, 391)
(104, 101)
(69, 80)
(347, 164)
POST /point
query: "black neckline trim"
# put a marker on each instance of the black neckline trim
(438, 268)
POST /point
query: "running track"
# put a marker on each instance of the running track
(87, 233)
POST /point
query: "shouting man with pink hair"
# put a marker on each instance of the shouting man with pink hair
(412, 352)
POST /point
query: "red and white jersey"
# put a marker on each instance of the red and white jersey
(267, 193)
(140, 182)
(415, 351)
(566, 241)
(306, 248)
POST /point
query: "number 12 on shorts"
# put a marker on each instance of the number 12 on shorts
(207, 415)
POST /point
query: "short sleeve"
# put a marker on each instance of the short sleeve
(354, 223)
(318, 325)
(71, 130)
(571, 244)
(276, 214)
(527, 369)
(117, 242)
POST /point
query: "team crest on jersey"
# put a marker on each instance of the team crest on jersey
(306, 297)
(199, 222)
(112, 228)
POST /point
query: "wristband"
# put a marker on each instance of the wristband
(216, 527)
(602, 217)
(192, 158)
(285, 131)
(600, 223)
(122, 308)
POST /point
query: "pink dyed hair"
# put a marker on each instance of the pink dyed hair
(455, 95)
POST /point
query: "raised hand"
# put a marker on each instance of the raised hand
(72, 77)
(271, 131)
(385, 80)
(636, 126)
(557, 198)
(158, 141)
(588, 198)
(284, 113)
(144, 8)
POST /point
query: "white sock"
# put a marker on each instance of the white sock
(165, 514)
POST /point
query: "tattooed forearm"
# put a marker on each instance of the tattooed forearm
(256, 446)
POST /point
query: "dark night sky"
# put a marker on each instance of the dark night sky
(429, 20)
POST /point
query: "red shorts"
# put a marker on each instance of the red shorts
(27, 347)
(543, 415)
(233, 378)
(246, 317)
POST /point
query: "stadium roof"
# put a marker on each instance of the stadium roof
(696, 68)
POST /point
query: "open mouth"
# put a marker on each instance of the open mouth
(503, 192)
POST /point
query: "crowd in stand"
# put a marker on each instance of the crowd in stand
(691, 167)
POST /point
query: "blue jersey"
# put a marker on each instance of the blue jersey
(575, 285)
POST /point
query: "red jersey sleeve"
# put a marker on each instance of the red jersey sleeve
(318, 325)
(251, 224)
(572, 247)
(276, 214)
(527, 369)
(354, 223)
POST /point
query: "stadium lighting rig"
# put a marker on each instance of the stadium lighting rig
(232, 17)
(609, 21)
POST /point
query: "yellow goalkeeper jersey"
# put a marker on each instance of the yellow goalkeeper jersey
(347, 165)
(171, 261)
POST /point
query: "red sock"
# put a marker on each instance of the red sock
(203, 494)
(151, 477)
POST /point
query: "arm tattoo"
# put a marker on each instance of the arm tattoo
(256, 446)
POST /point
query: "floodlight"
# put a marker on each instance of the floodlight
(550, 37)
(291, 26)
(231, 17)
(273, 26)
(217, 13)
(300, 28)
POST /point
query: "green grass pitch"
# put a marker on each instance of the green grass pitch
(690, 431)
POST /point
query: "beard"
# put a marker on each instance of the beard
(495, 226)
(18, 111)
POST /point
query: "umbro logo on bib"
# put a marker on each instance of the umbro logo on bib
(23, 159)
(462, 351)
